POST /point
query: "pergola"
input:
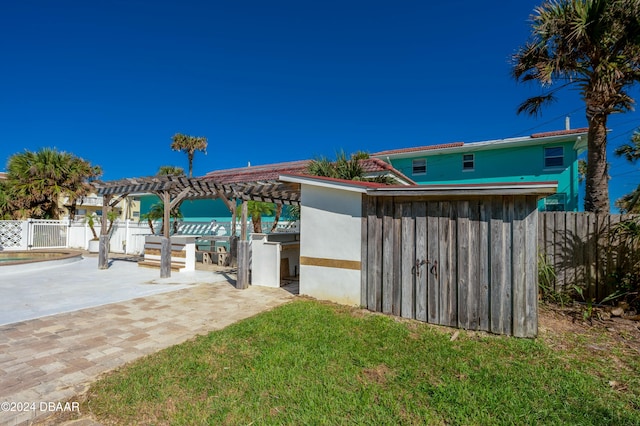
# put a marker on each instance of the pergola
(172, 190)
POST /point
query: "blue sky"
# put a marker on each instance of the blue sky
(267, 81)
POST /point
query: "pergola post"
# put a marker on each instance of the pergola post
(233, 239)
(103, 251)
(244, 257)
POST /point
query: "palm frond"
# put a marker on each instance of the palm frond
(533, 106)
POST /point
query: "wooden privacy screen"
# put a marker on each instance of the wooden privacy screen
(586, 252)
(468, 263)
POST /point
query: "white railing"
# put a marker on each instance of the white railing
(48, 234)
(127, 236)
(86, 201)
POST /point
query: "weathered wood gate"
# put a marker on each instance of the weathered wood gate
(464, 262)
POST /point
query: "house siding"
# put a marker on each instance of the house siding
(515, 164)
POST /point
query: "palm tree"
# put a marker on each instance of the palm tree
(37, 180)
(156, 212)
(631, 151)
(6, 209)
(593, 45)
(170, 171)
(257, 209)
(189, 144)
(348, 168)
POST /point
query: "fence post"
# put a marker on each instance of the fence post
(126, 236)
(68, 231)
(30, 233)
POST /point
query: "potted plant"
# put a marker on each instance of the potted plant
(94, 243)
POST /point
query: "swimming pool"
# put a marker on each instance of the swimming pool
(17, 261)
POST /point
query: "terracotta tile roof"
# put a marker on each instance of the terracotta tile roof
(419, 148)
(273, 171)
(560, 133)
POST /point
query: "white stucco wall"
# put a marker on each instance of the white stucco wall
(330, 234)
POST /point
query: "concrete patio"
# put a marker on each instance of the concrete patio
(50, 352)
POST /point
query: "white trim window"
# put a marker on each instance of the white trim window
(419, 166)
(555, 203)
(468, 162)
(553, 157)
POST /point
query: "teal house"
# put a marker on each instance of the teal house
(541, 157)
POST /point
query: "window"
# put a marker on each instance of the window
(555, 203)
(554, 157)
(420, 167)
(468, 161)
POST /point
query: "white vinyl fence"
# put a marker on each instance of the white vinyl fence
(126, 236)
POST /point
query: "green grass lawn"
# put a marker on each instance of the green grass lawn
(309, 362)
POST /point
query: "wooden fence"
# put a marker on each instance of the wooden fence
(470, 263)
(584, 252)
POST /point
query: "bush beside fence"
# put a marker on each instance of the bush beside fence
(589, 252)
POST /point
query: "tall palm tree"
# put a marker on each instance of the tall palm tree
(37, 180)
(189, 144)
(629, 203)
(593, 45)
(170, 171)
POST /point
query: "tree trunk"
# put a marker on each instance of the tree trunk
(596, 198)
(257, 223)
(190, 157)
(277, 218)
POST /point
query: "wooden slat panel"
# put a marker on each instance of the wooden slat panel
(519, 264)
(572, 247)
(408, 262)
(559, 250)
(462, 267)
(373, 254)
(506, 299)
(378, 256)
(387, 255)
(580, 229)
(591, 249)
(474, 272)
(433, 254)
(531, 274)
(615, 253)
(484, 263)
(497, 266)
(447, 266)
(420, 212)
(364, 245)
(549, 244)
(397, 260)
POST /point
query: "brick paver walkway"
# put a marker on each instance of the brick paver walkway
(54, 358)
